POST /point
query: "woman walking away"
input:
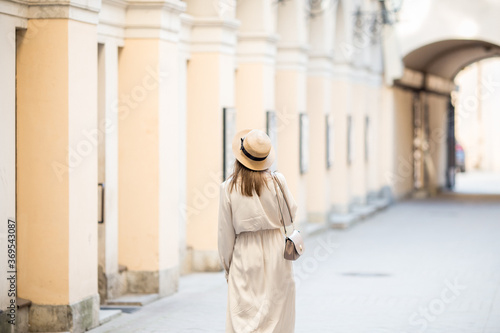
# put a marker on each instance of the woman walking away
(261, 288)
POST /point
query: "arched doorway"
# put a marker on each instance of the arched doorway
(435, 157)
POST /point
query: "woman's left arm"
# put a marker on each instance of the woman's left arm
(226, 234)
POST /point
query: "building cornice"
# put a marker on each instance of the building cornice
(292, 57)
(320, 64)
(83, 11)
(154, 19)
(257, 48)
(213, 35)
(347, 73)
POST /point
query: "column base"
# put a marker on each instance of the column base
(317, 217)
(110, 285)
(5, 326)
(358, 200)
(205, 261)
(77, 317)
(164, 282)
(339, 209)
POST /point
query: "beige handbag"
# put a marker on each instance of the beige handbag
(294, 244)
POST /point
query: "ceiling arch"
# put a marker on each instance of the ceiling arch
(448, 57)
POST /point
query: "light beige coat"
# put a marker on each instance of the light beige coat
(261, 294)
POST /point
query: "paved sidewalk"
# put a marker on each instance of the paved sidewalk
(420, 266)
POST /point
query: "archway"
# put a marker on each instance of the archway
(435, 143)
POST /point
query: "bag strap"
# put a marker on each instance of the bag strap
(278, 200)
(284, 197)
(277, 184)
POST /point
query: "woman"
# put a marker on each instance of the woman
(261, 288)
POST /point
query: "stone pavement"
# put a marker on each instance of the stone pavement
(428, 265)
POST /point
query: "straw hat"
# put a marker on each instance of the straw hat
(253, 149)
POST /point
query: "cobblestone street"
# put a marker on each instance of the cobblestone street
(428, 265)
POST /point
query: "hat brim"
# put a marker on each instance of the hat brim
(251, 164)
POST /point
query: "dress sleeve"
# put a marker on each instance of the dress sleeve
(289, 196)
(226, 234)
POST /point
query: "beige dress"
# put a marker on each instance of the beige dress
(261, 288)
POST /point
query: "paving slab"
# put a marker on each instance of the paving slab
(106, 315)
(133, 299)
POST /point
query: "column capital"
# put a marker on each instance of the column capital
(78, 10)
(292, 56)
(154, 19)
(112, 21)
(257, 47)
(320, 64)
(211, 34)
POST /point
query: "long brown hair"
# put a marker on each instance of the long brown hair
(249, 180)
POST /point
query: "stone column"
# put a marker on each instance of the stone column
(319, 105)
(291, 99)
(109, 286)
(387, 173)
(341, 107)
(341, 110)
(373, 110)
(210, 88)
(57, 168)
(256, 53)
(149, 156)
(358, 163)
(184, 257)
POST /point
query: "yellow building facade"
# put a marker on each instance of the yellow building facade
(115, 116)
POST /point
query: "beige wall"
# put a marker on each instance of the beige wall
(210, 79)
(254, 94)
(108, 164)
(373, 109)
(138, 155)
(290, 99)
(357, 168)
(57, 196)
(82, 45)
(150, 158)
(341, 106)
(172, 136)
(318, 189)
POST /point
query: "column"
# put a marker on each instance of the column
(256, 54)
(149, 142)
(373, 106)
(388, 177)
(109, 282)
(319, 105)
(57, 173)
(291, 91)
(358, 162)
(341, 110)
(184, 257)
(210, 88)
